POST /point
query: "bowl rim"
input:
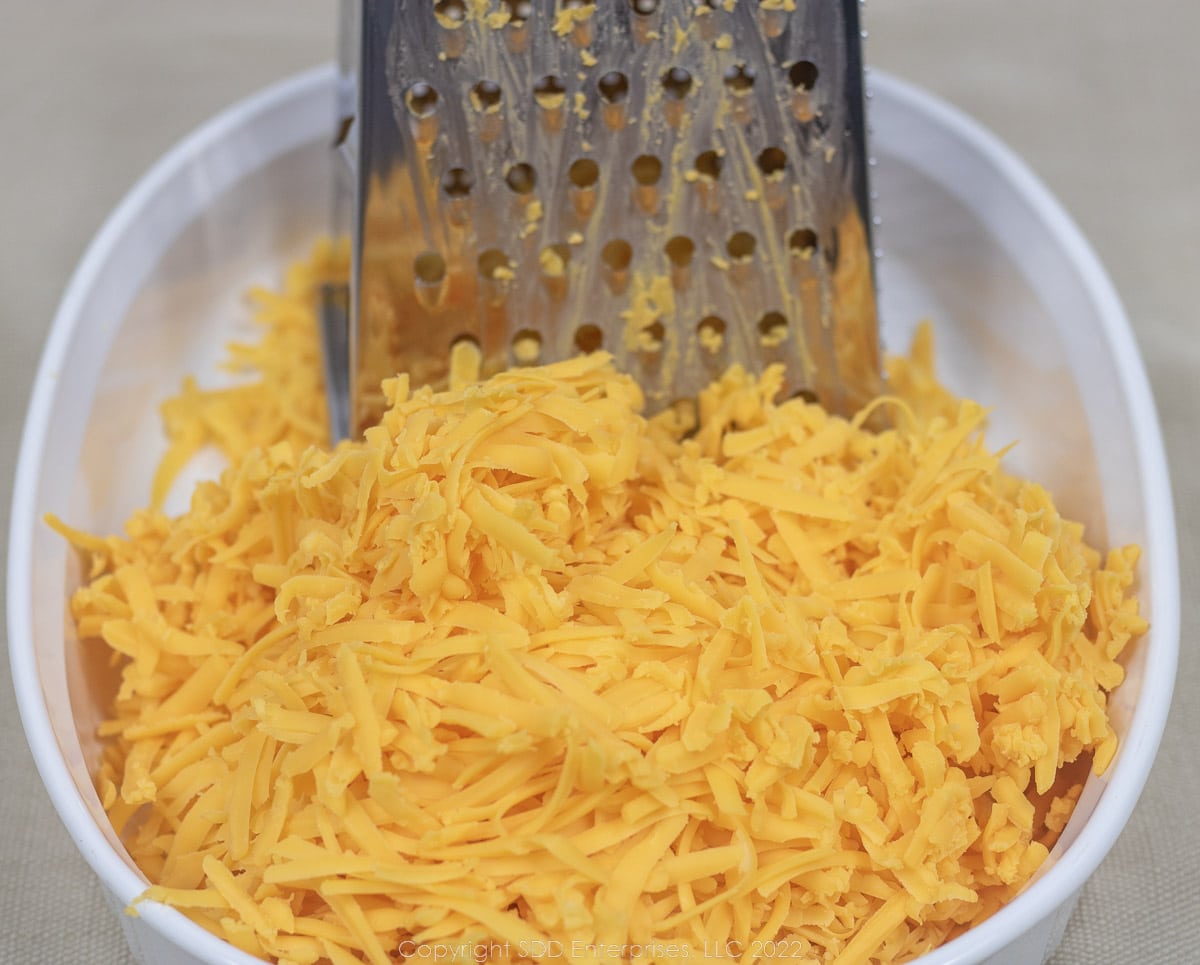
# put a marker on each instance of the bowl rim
(1126, 779)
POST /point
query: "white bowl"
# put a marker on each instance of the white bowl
(1025, 317)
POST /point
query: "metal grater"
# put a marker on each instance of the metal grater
(682, 183)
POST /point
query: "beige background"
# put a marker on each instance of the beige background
(1100, 96)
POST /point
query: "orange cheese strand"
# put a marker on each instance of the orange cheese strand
(285, 403)
(525, 672)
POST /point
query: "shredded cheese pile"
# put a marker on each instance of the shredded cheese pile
(525, 676)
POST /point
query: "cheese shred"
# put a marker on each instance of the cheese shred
(525, 676)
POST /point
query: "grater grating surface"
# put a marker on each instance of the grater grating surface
(680, 183)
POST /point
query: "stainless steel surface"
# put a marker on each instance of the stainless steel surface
(681, 183)
(333, 315)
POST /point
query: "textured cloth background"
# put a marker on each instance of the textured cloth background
(1100, 96)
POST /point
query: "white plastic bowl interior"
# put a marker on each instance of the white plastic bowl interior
(1025, 318)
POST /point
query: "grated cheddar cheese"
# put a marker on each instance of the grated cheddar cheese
(524, 676)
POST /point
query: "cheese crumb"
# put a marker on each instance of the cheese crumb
(567, 18)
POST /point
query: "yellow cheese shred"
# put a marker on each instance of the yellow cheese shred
(525, 676)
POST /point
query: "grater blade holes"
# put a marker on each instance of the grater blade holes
(772, 162)
(493, 264)
(772, 19)
(740, 78)
(584, 173)
(589, 338)
(553, 262)
(644, 17)
(429, 274)
(710, 333)
(617, 254)
(421, 99)
(466, 346)
(526, 347)
(680, 250)
(741, 245)
(486, 96)
(709, 164)
(457, 183)
(578, 21)
(802, 242)
(518, 10)
(429, 268)
(646, 170)
(614, 92)
(521, 178)
(550, 92)
(613, 87)
(451, 14)
(803, 75)
(652, 337)
(677, 82)
(772, 329)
